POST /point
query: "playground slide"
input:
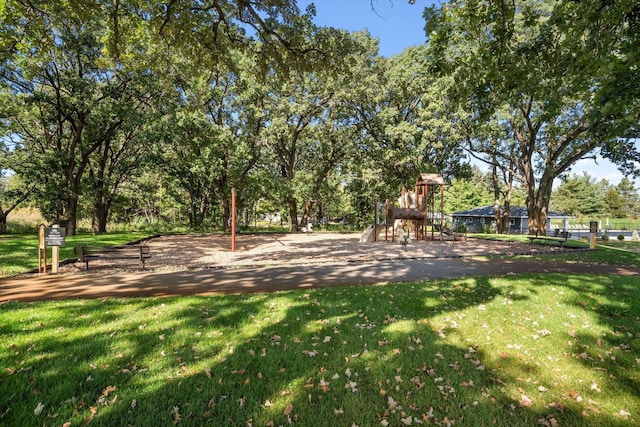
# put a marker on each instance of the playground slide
(367, 236)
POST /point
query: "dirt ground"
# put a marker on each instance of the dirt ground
(177, 252)
(205, 265)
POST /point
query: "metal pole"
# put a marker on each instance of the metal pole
(233, 219)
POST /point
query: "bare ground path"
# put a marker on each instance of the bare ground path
(204, 265)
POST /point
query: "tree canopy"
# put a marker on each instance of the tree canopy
(147, 107)
(529, 85)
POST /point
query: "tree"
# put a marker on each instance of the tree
(604, 36)
(630, 197)
(580, 195)
(408, 131)
(58, 92)
(310, 128)
(66, 69)
(10, 199)
(467, 193)
(513, 68)
(615, 204)
(213, 140)
(292, 107)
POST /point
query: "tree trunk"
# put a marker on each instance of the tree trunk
(538, 205)
(71, 215)
(100, 216)
(506, 214)
(537, 220)
(502, 212)
(226, 213)
(293, 214)
(99, 221)
(5, 213)
(307, 213)
(203, 207)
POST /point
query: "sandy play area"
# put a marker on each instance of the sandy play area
(183, 251)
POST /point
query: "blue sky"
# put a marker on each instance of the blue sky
(396, 23)
(399, 25)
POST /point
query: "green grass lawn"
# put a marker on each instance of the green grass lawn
(515, 350)
(625, 254)
(518, 350)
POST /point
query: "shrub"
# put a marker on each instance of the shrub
(461, 228)
(620, 237)
(605, 236)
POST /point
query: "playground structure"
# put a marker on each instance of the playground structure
(419, 213)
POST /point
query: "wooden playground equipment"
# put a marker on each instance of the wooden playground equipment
(420, 212)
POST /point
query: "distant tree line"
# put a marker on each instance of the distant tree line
(116, 111)
(583, 196)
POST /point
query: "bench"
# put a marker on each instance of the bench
(558, 236)
(88, 253)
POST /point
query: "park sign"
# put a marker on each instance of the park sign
(49, 236)
(54, 236)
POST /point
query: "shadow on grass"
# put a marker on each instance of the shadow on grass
(338, 356)
(616, 350)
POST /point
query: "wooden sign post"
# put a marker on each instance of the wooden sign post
(53, 237)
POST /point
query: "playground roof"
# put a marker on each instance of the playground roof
(430, 179)
(514, 212)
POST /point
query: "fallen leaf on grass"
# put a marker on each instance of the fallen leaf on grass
(575, 395)
(407, 421)
(38, 410)
(548, 422)
(623, 413)
(288, 409)
(525, 402)
(175, 413)
(324, 386)
(92, 413)
(391, 403)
